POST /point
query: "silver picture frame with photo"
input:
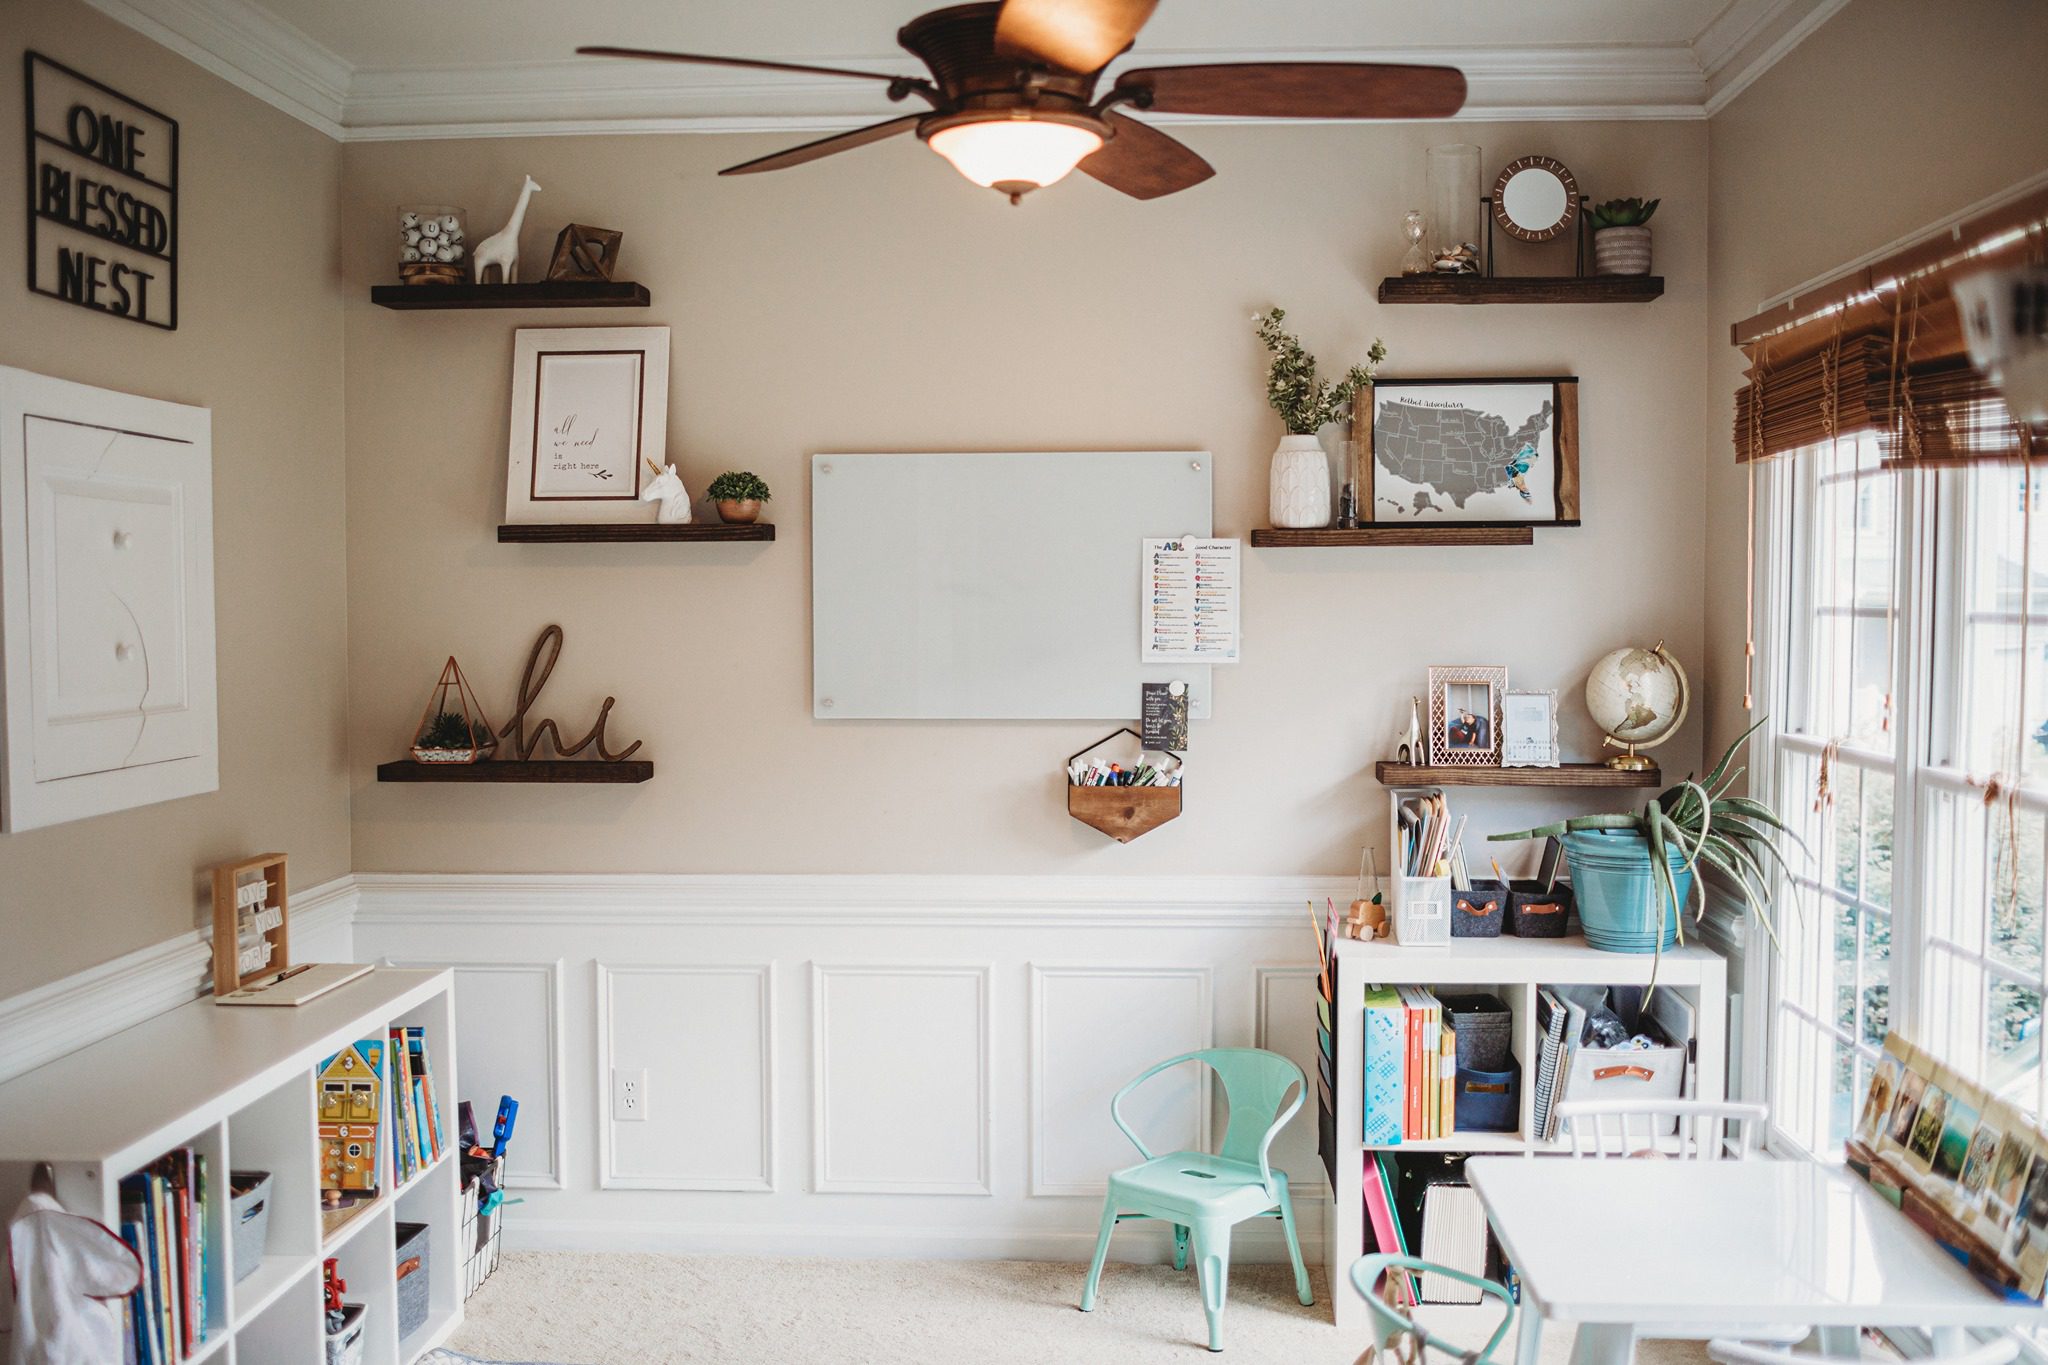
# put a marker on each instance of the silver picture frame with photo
(1464, 714)
(1528, 730)
(589, 424)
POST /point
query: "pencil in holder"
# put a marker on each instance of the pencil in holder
(1123, 813)
(1537, 911)
(1422, 911)
(1479, 911)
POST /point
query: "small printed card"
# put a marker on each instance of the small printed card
(1163, 716)
(1191, 594)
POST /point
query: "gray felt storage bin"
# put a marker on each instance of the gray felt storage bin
(1486, 1030)
(345, 1343)
(413, 1279)
(249, 1220)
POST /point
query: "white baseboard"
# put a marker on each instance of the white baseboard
(1259, 1244)
(53, 1021)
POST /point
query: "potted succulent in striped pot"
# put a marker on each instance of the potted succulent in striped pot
(1621, 236)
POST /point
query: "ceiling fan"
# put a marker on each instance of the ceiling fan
(1014, 108)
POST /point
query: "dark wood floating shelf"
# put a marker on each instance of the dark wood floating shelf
(1520, 288)
(1434, 534)
(555, 533)
(539, 294)
(511, 770)
(1393, 774)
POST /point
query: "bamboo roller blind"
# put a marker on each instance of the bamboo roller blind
(1881, 350)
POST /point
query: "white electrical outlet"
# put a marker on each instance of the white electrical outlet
(629, 1095)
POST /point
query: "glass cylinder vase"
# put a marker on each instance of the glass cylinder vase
(1454, 216)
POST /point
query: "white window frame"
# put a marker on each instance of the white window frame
(1927, 766)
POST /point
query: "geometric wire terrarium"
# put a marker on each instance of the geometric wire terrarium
(453, 728)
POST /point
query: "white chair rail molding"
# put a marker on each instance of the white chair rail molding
(1053, 680)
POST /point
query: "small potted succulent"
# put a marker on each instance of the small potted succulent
(451, 737)
(739, 495)
(1621, 236)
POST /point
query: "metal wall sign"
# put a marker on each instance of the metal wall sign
(102, 196)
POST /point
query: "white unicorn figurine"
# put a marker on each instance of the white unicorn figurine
(501, 248)
(666, 488)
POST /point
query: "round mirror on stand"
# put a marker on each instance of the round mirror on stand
(1535, 198)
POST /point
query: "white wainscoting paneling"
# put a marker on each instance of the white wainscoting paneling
(926, 1093)
(705, 1035)
(508, 1041)
(1286, 1024)
(900, 1079)
(1093, 1028)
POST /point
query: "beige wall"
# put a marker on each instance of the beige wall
(877, 302)
(259, 343)
(1870, 130)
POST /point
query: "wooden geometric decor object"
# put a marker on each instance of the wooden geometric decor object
(1123, 813)
(585, 253)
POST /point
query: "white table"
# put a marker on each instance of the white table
(1725, 1245)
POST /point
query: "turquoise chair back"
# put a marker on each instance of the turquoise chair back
(1365, 1277)
(1256, 1084)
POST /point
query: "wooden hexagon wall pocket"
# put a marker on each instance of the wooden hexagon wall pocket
(106, 601)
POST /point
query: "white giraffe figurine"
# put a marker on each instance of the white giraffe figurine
(666, 487)
(501, 248)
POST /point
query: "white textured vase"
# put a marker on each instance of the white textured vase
(1299, 490)
(1621, 251)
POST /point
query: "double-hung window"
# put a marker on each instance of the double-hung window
(1904, 666)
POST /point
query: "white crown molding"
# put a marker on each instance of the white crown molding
(249, 47)
(659, 899)
(53, 1021)
(1749, 38)
(242, 42)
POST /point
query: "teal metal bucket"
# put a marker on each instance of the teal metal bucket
(1618, 896)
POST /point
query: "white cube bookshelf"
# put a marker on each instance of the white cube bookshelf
(236, 1083)
(1511, 968)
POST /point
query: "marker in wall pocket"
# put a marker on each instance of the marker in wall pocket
(1124, 798)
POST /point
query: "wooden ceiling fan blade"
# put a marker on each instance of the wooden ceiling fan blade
(1363, 90)
(1144, 162)
(825, 146)
(702, 59)
(1080, 35)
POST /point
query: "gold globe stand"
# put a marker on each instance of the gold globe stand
(1630, 762)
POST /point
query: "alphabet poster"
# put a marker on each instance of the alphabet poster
(103, 197)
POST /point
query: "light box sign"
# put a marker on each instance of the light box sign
(102, 197)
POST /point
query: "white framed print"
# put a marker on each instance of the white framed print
(589, 423)
(1528, 730)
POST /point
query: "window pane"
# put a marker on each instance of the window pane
(1849, 666)
(2006, 597)
(1845, 967)
(1845, 783)
(2013, 1044)
(1842, 1098)
(2015, 928)
(1877, 977)
(1877, 839)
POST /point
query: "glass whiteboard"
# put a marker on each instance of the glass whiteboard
(992, 586)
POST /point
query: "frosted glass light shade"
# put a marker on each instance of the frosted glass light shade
(1031, 152)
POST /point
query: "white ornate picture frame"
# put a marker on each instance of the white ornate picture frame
(1528, 730)
(106, 601)
(589, 414)
(1464, 714)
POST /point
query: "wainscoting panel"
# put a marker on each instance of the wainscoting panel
(899, 1066)
(508, 1041)
(705, 1035)
(1093, 1028)
(856, 1066)
(1286, 1024)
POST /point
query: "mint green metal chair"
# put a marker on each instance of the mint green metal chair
(1205, 1196)
(1388, 1322)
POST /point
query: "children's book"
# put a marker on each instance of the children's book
(1386, 1229)
(1384, 1060)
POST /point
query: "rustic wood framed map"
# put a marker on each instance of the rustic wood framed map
(1474, 451)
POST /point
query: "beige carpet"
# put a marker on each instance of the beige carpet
(631, 1309)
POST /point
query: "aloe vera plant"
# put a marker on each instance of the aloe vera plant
(1734, 835)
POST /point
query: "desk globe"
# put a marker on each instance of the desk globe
(1639, 697)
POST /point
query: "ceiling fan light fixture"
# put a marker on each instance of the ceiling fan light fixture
(1015, 155)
